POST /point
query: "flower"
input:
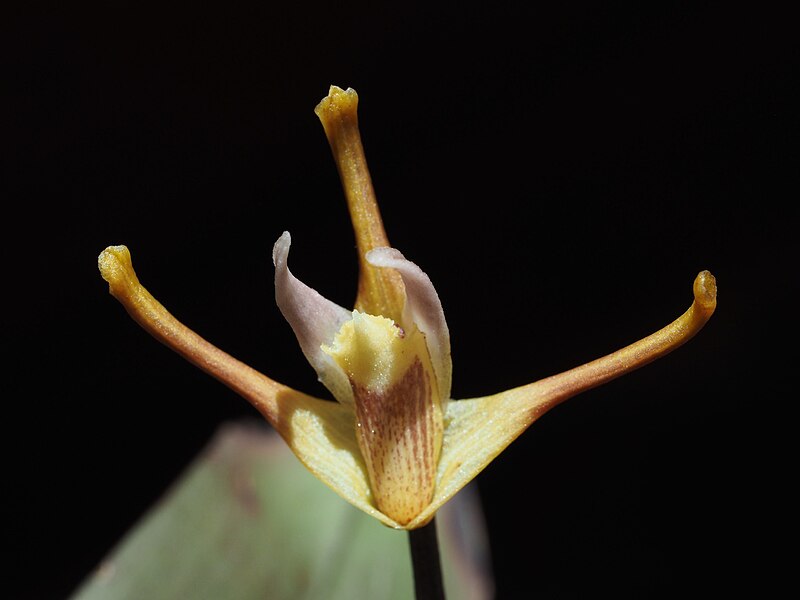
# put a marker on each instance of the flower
(394, 444)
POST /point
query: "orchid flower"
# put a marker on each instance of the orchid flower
(393, 444)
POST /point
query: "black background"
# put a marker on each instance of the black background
(562, 174)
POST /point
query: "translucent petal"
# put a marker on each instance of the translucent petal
(314, 320)
(424, 309)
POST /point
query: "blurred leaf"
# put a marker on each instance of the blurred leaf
(248, 521)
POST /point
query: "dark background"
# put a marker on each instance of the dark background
(562, 174)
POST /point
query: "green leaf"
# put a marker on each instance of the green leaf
(248, 521)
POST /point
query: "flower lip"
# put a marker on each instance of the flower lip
(398, 413)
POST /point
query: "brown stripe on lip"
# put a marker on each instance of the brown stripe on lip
(400, 435)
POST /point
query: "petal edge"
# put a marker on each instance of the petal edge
(424, 309)
(313, 318)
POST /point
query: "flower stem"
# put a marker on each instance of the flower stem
(425, 561)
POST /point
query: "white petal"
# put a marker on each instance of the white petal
(314, 320)
(424, 309)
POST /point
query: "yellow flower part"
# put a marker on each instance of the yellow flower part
(393, 444)
(398, 410)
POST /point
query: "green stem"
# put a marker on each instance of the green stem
(425, 561)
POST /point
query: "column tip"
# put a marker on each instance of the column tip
(116, 268)
(705, 290)
(337, 100)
